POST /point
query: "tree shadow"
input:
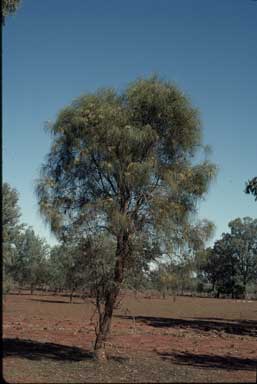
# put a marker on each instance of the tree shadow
(35, 350)
(119, 359)
(243, 327)
(211, 361)
(55, 301)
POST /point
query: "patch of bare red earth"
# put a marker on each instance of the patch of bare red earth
(214, 337)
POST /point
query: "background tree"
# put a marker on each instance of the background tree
(125, 165)
(224, 262)
(56, 270)
(205, 269)
(11, 229)
(9, 7)
(30, 267)
(251, 187)
(164, 279)
(244, 242)
(183, 265)
(75, 267)
(232, 262)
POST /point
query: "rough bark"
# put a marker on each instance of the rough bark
(105, 318)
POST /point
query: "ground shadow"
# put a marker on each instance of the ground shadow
(211, 361)
(244, 327)
(56, 301)
(35, 350)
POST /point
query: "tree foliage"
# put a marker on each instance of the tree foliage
(251, 187)
(125, 165)
(30, 265)
(9, 7)
(232, 262)
(10, 214)
(11, 227)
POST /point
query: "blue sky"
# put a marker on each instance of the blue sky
(55, 50)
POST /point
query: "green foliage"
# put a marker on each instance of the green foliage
(80, 264)
(251, 187)
(123, 163)
(10, 215)
(99, 256)
(11, 229)
(174, 277)
(56, 272)
(29, 267)
(9, 7)
(123, 166)
(204, 267)
(244, 243)
(232, 263)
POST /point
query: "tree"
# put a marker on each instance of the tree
(244, 240)
(11, 227)
(232, 262)
(251, 187)
(125, 164)
(56, 270)
(31, 260)
(11, 215)
(224, 262)
(205, 268)
(9, 7)
(74, 267)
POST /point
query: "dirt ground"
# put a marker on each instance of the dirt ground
(49, 340)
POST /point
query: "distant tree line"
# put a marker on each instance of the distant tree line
(229, 268)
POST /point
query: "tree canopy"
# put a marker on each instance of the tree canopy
(10, 219)
(232, 262)
(125, 165)
(9, 7)
(29, 267)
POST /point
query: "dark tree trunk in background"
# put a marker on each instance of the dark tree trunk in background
(71, 295)
(110, 299)
(244, 287)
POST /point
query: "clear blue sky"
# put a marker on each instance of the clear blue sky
(55, 50)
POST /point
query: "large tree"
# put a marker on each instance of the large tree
(125, 164)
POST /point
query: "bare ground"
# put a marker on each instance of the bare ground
(48, 340)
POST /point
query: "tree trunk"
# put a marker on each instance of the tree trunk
(71, 295)
(31, 289)
(105, 325)
(105, 318)
(244, 286)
